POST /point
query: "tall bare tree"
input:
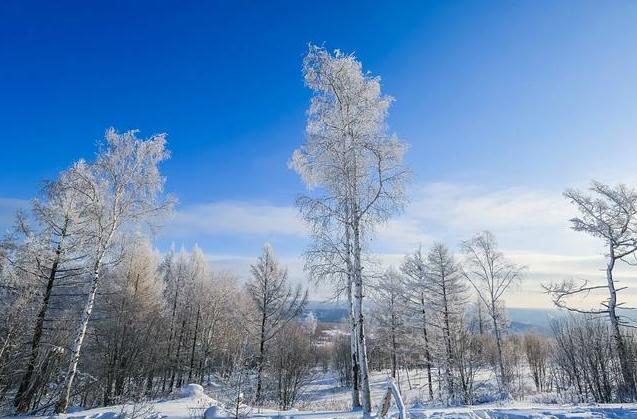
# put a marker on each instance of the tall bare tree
(491, 275)
(351, 162)
(610, 214)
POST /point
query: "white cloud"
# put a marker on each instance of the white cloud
(531, 225)
(240, 218)
(521, 219)
(240, 266)
(8, 209)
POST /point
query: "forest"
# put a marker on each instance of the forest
(93, 314)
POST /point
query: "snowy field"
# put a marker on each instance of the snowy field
(323, 401)
(194, 406)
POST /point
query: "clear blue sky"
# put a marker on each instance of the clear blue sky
(531, 94)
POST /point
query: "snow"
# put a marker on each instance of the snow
(191, 390)
(193, 404)
(213, 412)
(196, 404)
(186, 408)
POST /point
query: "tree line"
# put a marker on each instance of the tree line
(92, 314)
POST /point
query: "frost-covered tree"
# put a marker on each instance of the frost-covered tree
(447, 293)
(416, 282)
(52, 251)
(188, 281)
(122, 187)
(468, 349)
(351, 163)
(217, 320)
(292, 363)
(536, 349)
(329, 258)
(389, 298)
(585, 366)
(276, 303)
(19, 294)
(491, 276)
(609, 214)
(132, 302)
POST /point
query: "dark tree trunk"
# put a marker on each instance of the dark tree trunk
(26, 390)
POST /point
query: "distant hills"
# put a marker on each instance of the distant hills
(328, 312)
(522, 319)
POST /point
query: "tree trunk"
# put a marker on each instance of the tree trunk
(171, 335)
(356, 401)
(261, 359)
(177, 367)
(427, 352)
(360, 319)
(26, 390)
(65, 395)
(394, 361)
(447, 333)
(625, 361)
(194, 344)
(498, 342)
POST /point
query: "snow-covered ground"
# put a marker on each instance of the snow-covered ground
(194, 406)
(323, 400)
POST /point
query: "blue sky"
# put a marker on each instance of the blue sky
(504, 104)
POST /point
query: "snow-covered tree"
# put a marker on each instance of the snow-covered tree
(447, 296)
(52, 251)
(276, 303)
(329, 258)
(132, 302)
(536, 349)
(491, 276)
(416, 282)
(292, 363)
(188, 282)
(352, 164)
(389, 298)
(609, 214)
(120, 188)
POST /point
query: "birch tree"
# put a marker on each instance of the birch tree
(610, 214)
(52, 252)
(276, 303)
(351, 163)
(329, 257)
(121, 187)
(491, 276)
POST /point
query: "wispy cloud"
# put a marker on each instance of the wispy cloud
(8, 209)
(240, 218)
(531, 226)
(521, 219)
